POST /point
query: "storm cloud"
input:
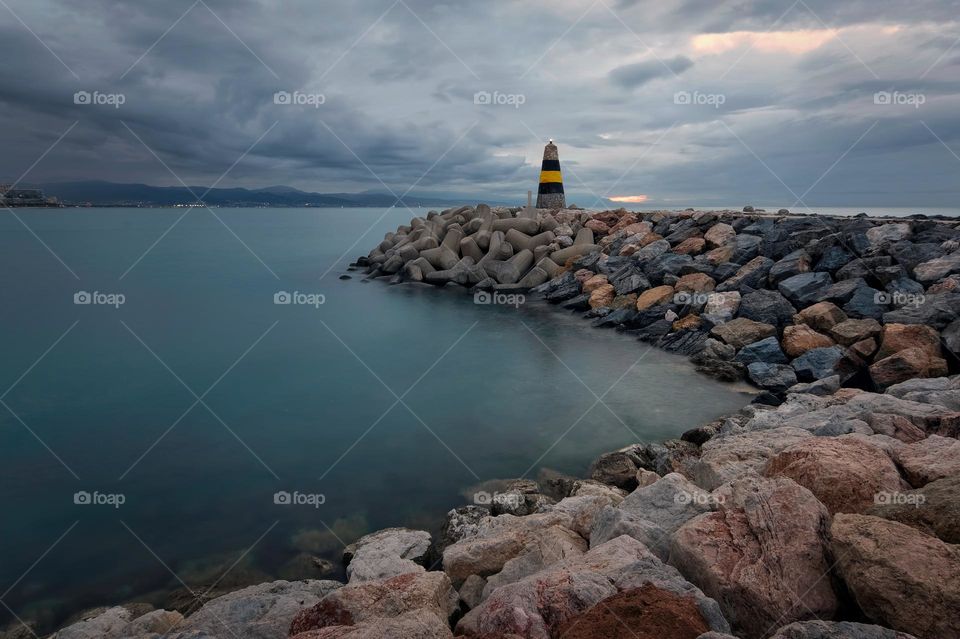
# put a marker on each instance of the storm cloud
(687, 102)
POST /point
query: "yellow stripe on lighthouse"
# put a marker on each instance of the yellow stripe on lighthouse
(550, 176)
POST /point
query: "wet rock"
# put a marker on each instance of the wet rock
(846, 475)
(766, 541)
(898, 576)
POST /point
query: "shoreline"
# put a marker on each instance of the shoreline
(844, 488)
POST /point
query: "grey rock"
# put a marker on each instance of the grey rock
(769, 307)
(774, 377)
(806, 288)
(766, 350)
(263, 611)
(837, 630)
(386, 553)
(817, 363)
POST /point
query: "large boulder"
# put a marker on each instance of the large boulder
(545, 605)
(929, 459)
(727, 457)
(775, 378)
(427, 593)
(938, 268)
(806, 288)
(719, 234)
(817, 363)
(766, 350)
(647, 612)
(264, 611)
(386, 553)
(933, 509)
(651, 514)
(837, 630)
(742, 331)
(769, 307)
(851, 331)
(907, 364)
(417, 624)
(498, 540)
(750, 276)
(847, 475)
(654, 297)
(899, 576)
(765, 544)
(822, 316)
(800, 338)
(899, 337)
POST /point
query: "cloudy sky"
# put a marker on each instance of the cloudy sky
(684, 102)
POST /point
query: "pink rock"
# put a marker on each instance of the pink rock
(758, 553)
(929, 459)
(899, 576)
(846, 475)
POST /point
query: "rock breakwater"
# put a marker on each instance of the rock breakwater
(777, 300)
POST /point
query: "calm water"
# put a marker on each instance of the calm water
(292, 398)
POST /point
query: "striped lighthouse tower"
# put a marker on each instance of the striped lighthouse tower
(550, 193)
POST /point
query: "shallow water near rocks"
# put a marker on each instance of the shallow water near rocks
(390, 401)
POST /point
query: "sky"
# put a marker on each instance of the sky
(675, 103)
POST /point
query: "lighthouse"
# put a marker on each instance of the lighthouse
(550, 193)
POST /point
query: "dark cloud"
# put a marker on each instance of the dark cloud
(403, 86)
(632, 76)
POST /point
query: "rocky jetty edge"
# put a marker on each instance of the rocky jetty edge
(830, 509)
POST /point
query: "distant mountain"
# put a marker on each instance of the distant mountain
(100, 193)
